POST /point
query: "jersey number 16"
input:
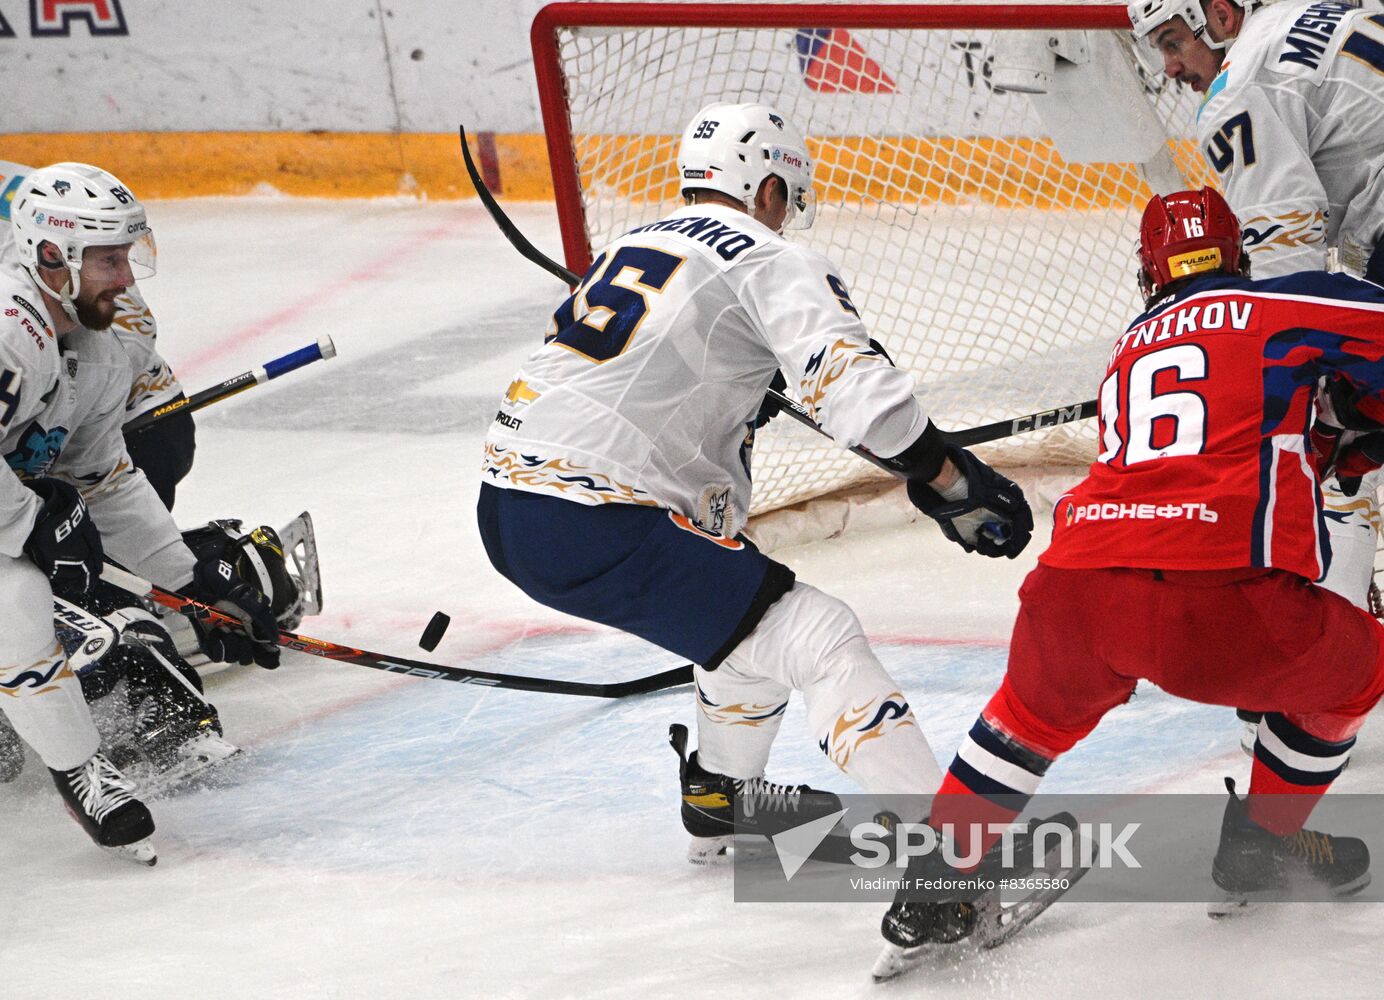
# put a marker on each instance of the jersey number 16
(1138, 422)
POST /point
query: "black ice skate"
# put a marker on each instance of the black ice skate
(913, 926)
(103, 801)
(1253, 864)
(708, 804)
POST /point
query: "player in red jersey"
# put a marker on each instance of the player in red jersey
(1187, 556)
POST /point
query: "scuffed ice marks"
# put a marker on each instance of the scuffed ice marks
(438, 381)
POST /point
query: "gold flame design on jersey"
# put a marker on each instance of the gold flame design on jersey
(1363, 506)
(558, 477)
(134, 316)
(1293, 229)
(149, 384)
(839, 358)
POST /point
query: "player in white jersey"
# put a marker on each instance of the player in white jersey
(1293, 122)
(617, 470)
(164, 451)
(69, 496)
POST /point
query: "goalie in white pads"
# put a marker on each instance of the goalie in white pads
(68, 493)
(156, 722)
(617, 470)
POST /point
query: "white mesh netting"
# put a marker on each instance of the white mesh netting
(995, 271)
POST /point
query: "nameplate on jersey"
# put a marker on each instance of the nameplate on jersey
(1303, 51)
(1192, 318)
(728, 242)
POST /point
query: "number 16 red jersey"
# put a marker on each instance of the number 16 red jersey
(1205, 461)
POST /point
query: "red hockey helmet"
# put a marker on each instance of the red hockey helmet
(1190, 232)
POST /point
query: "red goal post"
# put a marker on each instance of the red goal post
(987, 240)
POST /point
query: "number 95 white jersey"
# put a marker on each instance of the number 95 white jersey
(653, 370)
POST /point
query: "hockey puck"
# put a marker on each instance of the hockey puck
(432, 635)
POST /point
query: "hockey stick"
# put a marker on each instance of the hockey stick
(397, 664)
(965, 438)
(323, 349)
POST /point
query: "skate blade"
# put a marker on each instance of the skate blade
(709, 850)
(300, 552)
(197, 769)
(1228, 906)
(894, 961)
(141, 852)
(1239, 904)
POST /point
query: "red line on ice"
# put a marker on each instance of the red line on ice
(393, 258)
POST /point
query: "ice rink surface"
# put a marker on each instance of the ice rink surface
(390, 837)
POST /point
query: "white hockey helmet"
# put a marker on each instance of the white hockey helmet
(1147, 16)
(731, 148)
(75, 206)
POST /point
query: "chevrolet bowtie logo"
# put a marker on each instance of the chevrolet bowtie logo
(519, 392)
(795, 846)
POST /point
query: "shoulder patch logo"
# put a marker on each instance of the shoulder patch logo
(38, 449)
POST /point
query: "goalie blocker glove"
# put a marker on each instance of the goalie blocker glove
(64, 543)
(982, 511)
(216, 582)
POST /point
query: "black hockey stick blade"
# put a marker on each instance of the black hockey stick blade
(517, 239)
(329, 650)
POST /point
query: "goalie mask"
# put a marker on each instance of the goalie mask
(1187, 233)
(75, 206)
(732, 148)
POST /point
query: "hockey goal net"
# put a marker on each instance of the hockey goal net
(987, 235)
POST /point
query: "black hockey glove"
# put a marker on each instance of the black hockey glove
(64, 542)
(993, 518)
(1347, 435)
(770, 407)
(215, 582)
